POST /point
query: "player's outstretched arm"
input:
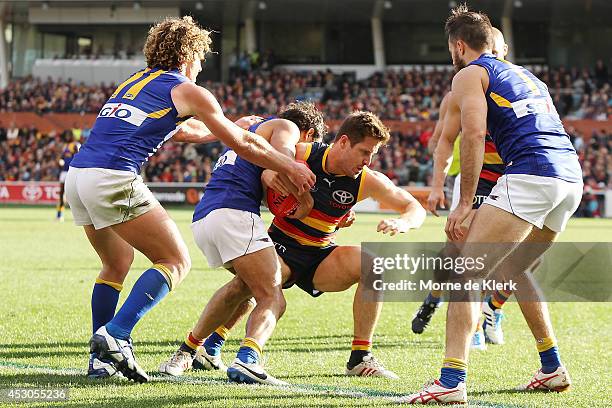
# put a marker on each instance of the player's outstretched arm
(380, 188)
(468, 94)
(195, 131)
(191, 99)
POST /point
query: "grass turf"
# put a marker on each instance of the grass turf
(47, 272)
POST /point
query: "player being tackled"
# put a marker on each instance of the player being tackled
(309, 257)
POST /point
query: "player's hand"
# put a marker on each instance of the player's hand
(454, 223)
(301, 177)
(436, 198)
(348, 220)
(306, 202)
(246, 122)
(392, 226)
(272, 179)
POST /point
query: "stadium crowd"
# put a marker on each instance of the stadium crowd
(407, 95)
(29, 155)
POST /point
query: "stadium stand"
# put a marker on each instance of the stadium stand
(396, 95)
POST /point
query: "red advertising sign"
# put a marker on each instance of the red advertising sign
(23, 192)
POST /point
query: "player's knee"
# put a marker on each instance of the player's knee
(117, 269)
(183, 266)
(238, 289)
(280, 303)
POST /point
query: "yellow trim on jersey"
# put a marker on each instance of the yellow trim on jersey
(492, 158)
(320, 225)
(325, 159)
(528, 80)
(127, 81)
(137, 87)
(307, 152)
(364, 171)
(158, 114)
(523, 76)
(114, 285)
(500, 100)
(164, 270)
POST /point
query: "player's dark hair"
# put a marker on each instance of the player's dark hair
(473, 28)
(361, 124)
(305, 115)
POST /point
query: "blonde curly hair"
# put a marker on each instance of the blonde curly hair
(175, 41)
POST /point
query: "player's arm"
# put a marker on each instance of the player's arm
(380, 188)
(195, 131)
(282, 141)
(443, 154)
(433, 141)
(194, 100)
(468, 92)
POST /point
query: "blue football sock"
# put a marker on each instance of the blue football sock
(213, 344)
(248, 355)
(453, 372)
(550, 359)
(104, 300)
(451, 377)
(148, 290)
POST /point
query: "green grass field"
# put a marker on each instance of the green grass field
(47, 271)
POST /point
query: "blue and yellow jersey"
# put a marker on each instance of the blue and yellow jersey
(333, 196)
(70, 149)
(524, 124)
(136, 120)
(235, 183)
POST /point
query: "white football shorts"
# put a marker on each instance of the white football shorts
(105, 197)
(226, 234)
(541, 201)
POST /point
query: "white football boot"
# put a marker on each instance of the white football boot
(205, 361)
(180, 362)
(435, 393)
(370, 367)
(492, 325)
(559, 380)
(244, 373)
(120, 352)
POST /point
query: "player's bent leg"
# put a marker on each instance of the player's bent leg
(336, 273)
(552, 375)
(224, 302)
(462, 315)
(157, 237)
(208, 357)
(116, 256)
(261, 272)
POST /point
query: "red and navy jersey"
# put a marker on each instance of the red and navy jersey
(524, 123)
(492, 166)
(136, 120)
(333, 196)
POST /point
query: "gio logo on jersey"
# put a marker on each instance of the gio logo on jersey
(123, 111)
